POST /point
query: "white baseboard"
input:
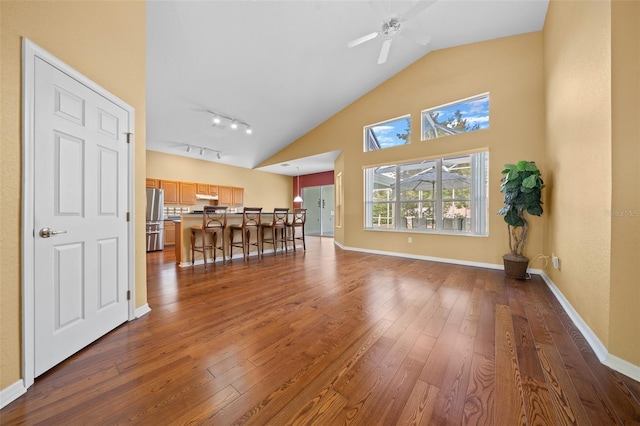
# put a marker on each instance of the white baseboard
(13, 392)
(622, 366)
(420, 257)
(142, 310)
(591, 338)
(611, 361)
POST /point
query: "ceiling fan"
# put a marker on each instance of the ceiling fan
(393, 25)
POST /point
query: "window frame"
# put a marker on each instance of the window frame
(478, 198)
(366, 129)
(451, 132)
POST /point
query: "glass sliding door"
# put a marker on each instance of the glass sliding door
(319, 202)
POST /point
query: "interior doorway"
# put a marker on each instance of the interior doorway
(77, 212)
(319, 202)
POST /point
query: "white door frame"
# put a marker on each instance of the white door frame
(29, 53)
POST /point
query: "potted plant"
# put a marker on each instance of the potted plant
(522, 186)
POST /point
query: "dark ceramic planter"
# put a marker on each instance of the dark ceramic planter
(515, 266)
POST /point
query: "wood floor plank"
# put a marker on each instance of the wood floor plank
(567, 403)
(486, 334)
(420, 405)
(322, 372)
(327, 336)
(480, 403)
(595, 402)
(388, 405)
(451, 399)
(508, 382)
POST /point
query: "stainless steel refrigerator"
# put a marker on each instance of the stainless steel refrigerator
(155, 219)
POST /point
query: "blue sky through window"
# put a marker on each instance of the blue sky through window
(459, 117)
(386, 134)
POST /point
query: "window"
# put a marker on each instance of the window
(388, 134)
(463, 116)
(441, 195)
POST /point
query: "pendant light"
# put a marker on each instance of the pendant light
(298, 198)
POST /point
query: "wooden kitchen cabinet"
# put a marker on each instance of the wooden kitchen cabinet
(238, 196)
(213, 190)
(171, 191)
(153, 183)
(187, 193)
(225, 196)
(202, 188)
(169, 233)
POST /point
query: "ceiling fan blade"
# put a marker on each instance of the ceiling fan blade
(384, 52)
(416, 36)
(418, 7)
(362, 39)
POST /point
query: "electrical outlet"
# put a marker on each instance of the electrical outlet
(556, 261)
(410, 240)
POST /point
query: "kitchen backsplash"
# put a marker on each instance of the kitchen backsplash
(177, 210)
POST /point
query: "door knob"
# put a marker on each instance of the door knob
(46, 232)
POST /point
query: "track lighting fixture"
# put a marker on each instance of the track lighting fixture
(234, 123)
(203, 150)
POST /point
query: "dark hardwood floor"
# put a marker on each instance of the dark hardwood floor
(334, 337)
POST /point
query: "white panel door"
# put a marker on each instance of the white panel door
(80, 249)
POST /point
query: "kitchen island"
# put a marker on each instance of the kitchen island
(183, 238)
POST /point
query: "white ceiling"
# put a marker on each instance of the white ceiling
(283, 66)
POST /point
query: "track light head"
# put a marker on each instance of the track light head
(188, 148)
(234, 123)
(202, 151)
(218, 155)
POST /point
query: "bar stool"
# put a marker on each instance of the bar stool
(298, 221)
(214, 223)
(278, 228)
(251, 221)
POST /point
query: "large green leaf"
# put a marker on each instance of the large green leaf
(522, 165)
(535, 210)
(513, 219)
(531, 166)
(530, 181)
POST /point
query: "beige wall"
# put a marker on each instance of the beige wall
(592, 69)
(624, 338)
(261, 189)
(105, 41)
(577, 57)
(510, 69)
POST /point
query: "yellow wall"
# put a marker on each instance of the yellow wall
(261, 189)
(577, 57)
(105, 41)
(510, 69)
(624, 340)
(592, 74)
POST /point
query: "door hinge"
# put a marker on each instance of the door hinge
(128, 218)
(128, 294)
(129, 135)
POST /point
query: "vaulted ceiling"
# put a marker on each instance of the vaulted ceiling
(283, 67)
